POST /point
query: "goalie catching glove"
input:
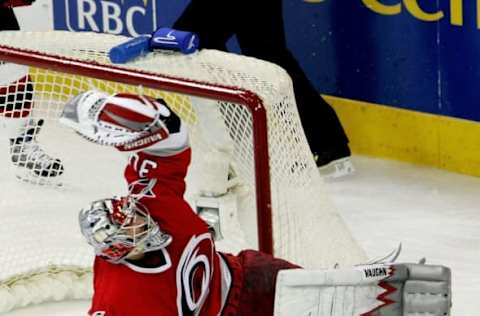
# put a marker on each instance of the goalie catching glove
(126, 121)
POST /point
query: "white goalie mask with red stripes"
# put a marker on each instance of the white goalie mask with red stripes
(127, 121)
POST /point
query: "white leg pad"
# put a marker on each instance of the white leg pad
(373, 290)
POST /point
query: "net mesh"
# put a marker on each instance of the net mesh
(39, 214)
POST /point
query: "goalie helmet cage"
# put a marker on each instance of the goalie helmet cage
(278, 178)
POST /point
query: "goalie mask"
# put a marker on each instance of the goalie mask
(126, 121)
(120, 229)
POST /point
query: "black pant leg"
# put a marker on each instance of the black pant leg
(8, 21)
(320, 122)
(207, 18)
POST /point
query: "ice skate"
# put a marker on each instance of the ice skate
(334, 163)
(31, 160)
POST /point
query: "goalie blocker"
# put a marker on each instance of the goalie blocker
(371, 290)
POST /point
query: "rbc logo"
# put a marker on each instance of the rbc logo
(126, 17)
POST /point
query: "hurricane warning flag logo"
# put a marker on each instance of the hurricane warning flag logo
(126, 17)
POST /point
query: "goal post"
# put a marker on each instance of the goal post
(238, 109)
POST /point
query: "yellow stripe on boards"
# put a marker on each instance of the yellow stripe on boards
(384, 131)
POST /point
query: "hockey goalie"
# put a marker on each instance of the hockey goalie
(156, 257)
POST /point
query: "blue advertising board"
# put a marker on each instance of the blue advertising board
(414, 54)
(126, 17)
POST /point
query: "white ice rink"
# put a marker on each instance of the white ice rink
(435, 214)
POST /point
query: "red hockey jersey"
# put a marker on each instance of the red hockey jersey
(183, 279)
(15, 3)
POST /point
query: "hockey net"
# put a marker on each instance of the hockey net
(227, 101)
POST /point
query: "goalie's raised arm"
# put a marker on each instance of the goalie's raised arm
(128, 122)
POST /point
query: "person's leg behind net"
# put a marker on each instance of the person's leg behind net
(206, 18)
(261, 34)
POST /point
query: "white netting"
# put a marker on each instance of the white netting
(39, 222)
